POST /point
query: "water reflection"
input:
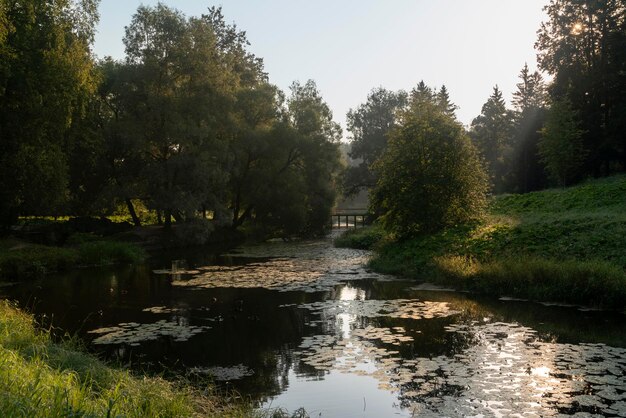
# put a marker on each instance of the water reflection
(346, 319)
(305, 324)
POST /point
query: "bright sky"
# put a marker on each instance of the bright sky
(351, 46)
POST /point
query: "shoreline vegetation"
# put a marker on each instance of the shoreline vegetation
(40, 377)
(21, 260)
(563, 245)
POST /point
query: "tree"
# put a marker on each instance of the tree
(256, 150)
(531, 91)
(46, 78)
(491, 132)
(430, 174)
(184, 75)
(319, 144)
(529, 101)
(581, 45)
(561, 146)
(369, 125)
(285, 161)
(443, 99)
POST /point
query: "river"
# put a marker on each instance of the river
(304, 324)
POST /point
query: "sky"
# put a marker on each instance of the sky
(350, 47)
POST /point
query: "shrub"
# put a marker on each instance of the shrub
(363, 239)
(430, 175)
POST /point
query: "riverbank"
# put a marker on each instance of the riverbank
(39, 377)
(21, 259)
(560, 245)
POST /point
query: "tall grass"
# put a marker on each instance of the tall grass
(361, 238)
(566, 245)
(40, 378)
(20, 260)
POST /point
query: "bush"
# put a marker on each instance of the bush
(19, 260)
(193, 232)
(363, 239)
(430, 175)
(108, 252)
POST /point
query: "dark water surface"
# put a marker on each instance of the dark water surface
(307, 325)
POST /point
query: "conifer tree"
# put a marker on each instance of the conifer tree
(491, 132)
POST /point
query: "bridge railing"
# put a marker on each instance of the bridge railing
(349, 219)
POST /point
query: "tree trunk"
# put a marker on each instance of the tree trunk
(131, 210)
(168, 219)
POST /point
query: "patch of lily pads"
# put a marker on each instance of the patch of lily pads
(161, 310)
(508, 370)
(133, 333)
(224, 373)
(308, 266)
(394, 308)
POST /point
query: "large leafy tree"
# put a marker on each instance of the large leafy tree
(492, 131)
(259, 151)
(369, 125)
(582, 46)
(46, 79)
(431, 175)
(183, 77)
(285, 180)
(319, 136)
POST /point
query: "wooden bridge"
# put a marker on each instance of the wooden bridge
(349, 218)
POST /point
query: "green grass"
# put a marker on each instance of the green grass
(361, 238)
(41, 378)
(19, 260)
(566, 245)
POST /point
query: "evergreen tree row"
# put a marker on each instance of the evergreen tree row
(556, 133)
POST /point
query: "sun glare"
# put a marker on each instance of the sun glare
(577, 28)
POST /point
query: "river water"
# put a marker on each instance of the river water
(303, 324)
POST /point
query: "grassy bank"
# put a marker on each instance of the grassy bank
(566, 245)
(20, 259)
(40, 378)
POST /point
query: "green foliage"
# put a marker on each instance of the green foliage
(19, 260)
(46, 76)
(562, 244)
(491, 132)
(108, 252)
(430, 174)
(531, 91)
(589, 282)
(561, 145)
(41, 378)
(194, 232)
(361, 238)
(593, 196)
(369, 125)
(582, 46)
(292, 184)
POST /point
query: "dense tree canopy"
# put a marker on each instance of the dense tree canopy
(369, 125)
(561, 146)
(46, 79)
(582, 45)
(430, 174)
(492, 131)
(187, 124)
(530, 102)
